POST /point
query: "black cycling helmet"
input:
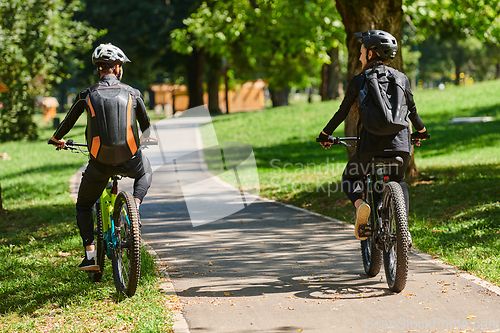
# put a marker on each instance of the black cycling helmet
(383, 42)
(109, 54)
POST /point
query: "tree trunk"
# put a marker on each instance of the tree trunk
(497, 72)
(63, 96)
(214, 76)
(1, 204)
(334, 75)
(196, 74)
(458, 70)
(362, 15)
(324, 83)
(279, 97)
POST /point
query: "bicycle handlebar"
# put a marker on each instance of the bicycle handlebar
(340, 140)
(70, 144)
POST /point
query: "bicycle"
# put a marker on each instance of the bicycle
(387, 232)
(118, 231)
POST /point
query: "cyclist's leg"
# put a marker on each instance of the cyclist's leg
(142, 184)
(352, 185)
(356, 168)
(398, 175)
(140, 169)
(93, 182)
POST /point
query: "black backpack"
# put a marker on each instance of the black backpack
(382, 101)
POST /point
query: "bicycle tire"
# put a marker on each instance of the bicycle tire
(100, 247)
(395, 253)
(127, 253)
(370, 253)
(372, 256)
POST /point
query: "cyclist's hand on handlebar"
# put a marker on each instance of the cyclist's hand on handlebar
(148, 141)
(420, 136)
(60, 143)
(326, 140)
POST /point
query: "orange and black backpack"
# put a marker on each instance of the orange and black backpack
(111, 128)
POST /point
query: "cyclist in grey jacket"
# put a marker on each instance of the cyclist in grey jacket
(113, 110)
(377, 47)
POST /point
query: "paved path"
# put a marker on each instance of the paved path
(273, 268)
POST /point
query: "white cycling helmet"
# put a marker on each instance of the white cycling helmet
(109, 54)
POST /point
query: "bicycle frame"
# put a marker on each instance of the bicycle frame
(375, 183)
(107, 204)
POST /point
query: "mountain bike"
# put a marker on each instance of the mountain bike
(118, 231)
(387, 231)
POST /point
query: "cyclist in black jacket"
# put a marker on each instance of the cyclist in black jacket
(377, 47)
(113, 109)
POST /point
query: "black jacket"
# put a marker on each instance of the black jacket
(113, 109)
(369, 142)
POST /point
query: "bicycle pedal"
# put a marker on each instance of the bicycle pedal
(364, 231)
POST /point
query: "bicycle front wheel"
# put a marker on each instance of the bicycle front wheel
(100, 246)
(127, 252)
(398, 237)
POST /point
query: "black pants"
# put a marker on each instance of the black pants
(96, 178)
(359, 166)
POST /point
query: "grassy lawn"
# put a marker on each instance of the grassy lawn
(40, 249)
(455, 208)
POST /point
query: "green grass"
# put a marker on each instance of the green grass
(40, 248)
(454, 210)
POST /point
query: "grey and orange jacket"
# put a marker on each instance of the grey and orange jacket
(113, 110)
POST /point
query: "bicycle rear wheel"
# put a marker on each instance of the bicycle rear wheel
(127, 253)
(396, 246)
(100, 247)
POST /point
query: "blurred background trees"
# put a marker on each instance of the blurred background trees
(293, 45)
(39, 39)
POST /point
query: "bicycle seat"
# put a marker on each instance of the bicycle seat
(389, 161)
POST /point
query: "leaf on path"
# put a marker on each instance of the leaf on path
(210, 263)
(427, 308)
(471, 316)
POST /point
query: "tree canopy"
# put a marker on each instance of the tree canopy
(38, 38)
(284, 42)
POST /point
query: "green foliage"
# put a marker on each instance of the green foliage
(142, 30)
(37, 38)
(453, 34)
(288, 41)
(285, 42)
(212, 27)
(455, 19)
